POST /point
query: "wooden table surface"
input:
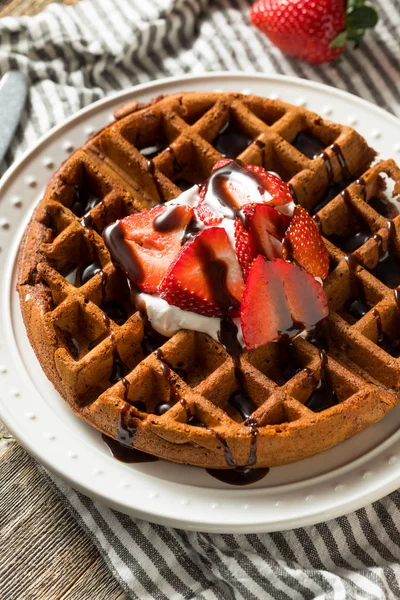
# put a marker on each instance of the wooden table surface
(26, 7)
(44, 553)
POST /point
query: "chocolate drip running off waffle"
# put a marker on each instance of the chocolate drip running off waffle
(190, 401)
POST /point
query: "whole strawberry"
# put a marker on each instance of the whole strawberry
(314, 31)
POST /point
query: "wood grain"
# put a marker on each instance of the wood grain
(44, 553)
(17, 8)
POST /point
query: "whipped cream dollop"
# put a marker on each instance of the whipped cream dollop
(189, 197)
(166, 318)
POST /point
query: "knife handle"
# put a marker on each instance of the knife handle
(13, 90)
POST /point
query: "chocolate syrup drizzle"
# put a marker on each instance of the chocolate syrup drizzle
(174, 397)
(151, 338)
(121, 253)
(341, 160)
(86, 272)
(384, 341)
(127, 454)
(328, 166)
(289, 362)
(351, 243)
(242, 402)
(334, 187)
(230, 142)
(190, 232)
(293, 192)
(176, 167)
(216, 271)
(239, 476)
(119, 369)
(183, 184)
(308, 144)
(324, 395)
(88, 221)
(126, 431)
(357, 305)
(174, 394)
(387, 269)
(381, 205)
(115, 311)
(84, 201)
(169, 220)
(152, 168)
(317, 338)
(361, 182)
(236, 475)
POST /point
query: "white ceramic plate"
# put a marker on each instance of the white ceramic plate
(360, 470)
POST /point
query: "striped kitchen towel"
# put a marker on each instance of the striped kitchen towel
(74, 55)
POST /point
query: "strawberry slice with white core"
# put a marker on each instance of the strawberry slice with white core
(145, 244)
(273, 184)
(206, 214)
(280, 299)
(205, 277)
(308, 248)
(233, 184)
(259, 229)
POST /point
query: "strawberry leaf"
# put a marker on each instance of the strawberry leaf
(354, 3)
(356, 36)
(358, 18)
(361, 17)
(339, 41)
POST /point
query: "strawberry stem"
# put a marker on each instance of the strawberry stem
(359, 17)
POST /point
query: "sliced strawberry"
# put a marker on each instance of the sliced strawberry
(233, 185)
(221, 163)
(205, 212)
(279, 299)
(308, 247)
(274, 185)
(145, 244)
(205, 277)
(305, 297)
(259, 229)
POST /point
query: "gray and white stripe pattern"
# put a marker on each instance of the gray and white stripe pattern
(353, 557)
(72, 56)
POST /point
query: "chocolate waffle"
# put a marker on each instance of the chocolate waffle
(279, 403)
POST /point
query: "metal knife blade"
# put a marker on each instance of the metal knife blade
(13, 91)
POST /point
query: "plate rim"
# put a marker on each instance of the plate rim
(341, 507)
(111, 98)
